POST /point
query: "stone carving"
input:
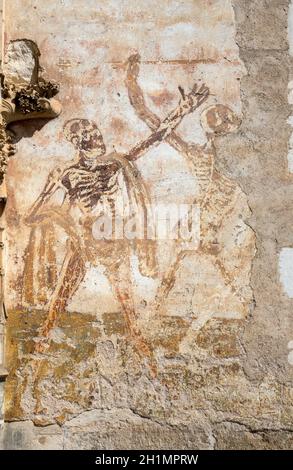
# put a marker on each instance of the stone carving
(24, 94)
(7, 149)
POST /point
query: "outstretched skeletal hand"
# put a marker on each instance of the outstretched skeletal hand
(198, 95)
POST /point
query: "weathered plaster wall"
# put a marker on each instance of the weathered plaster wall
(195, 357)
(286, 258)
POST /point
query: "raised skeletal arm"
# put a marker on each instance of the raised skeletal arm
(162, 130)
(198, 157)
(136, 96)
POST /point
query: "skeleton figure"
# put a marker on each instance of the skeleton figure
(89, 184)
(217, 193)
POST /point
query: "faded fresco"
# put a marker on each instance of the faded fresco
(120, 321)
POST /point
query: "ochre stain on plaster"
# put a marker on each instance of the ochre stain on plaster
(81, 337)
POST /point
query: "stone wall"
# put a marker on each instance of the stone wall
(149, 339)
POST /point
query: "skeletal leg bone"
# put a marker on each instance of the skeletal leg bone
(168, 281)
(70, 277)
(120, 279)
